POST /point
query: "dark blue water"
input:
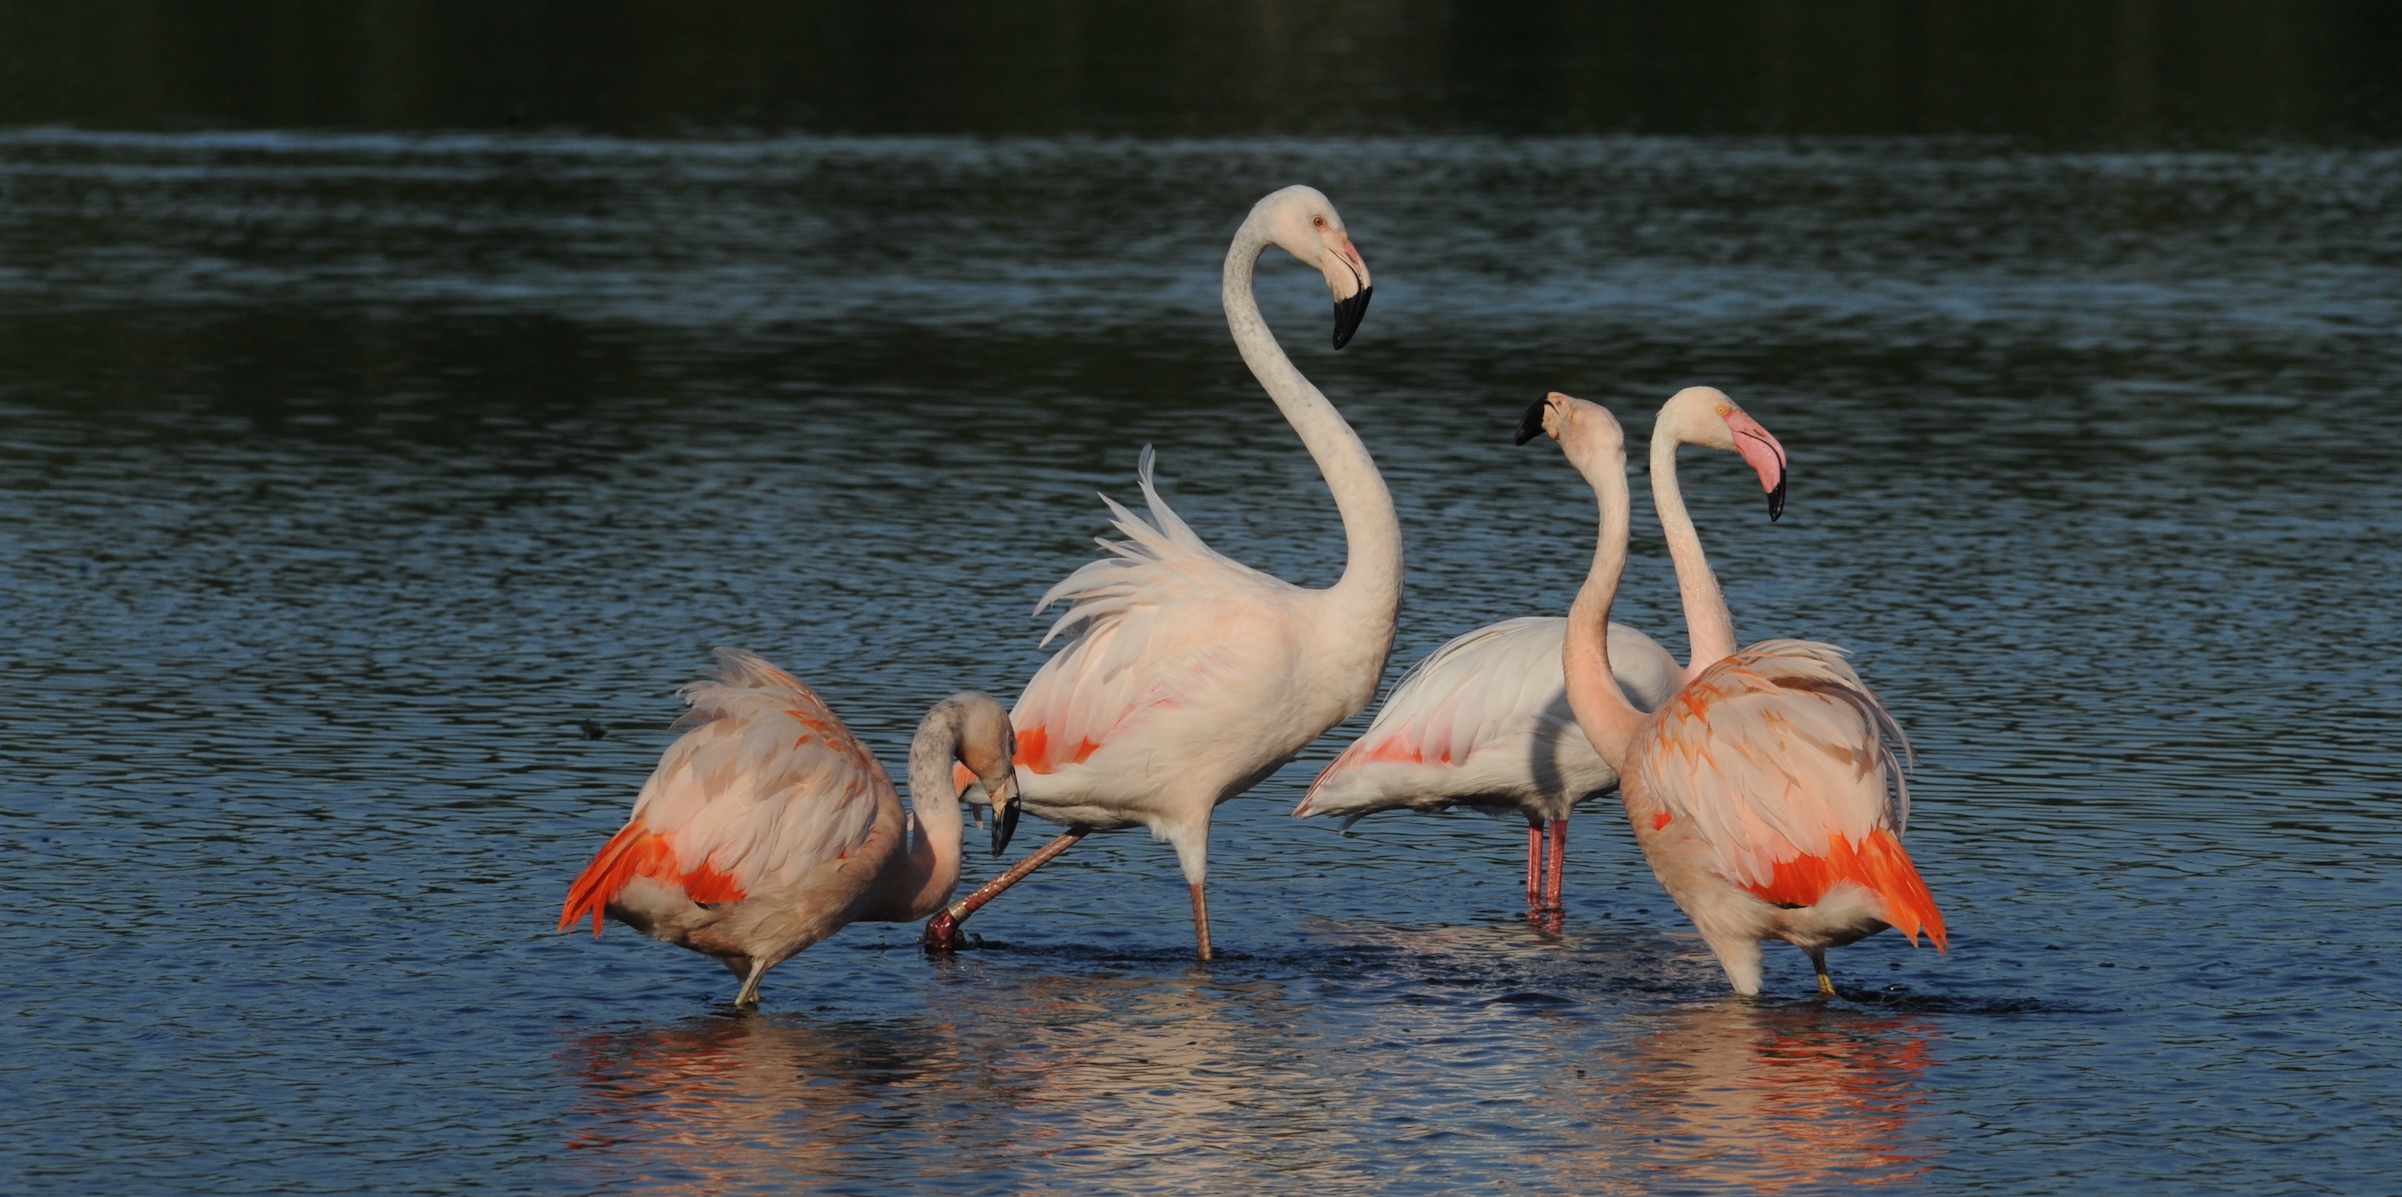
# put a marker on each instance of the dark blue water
(343, 476)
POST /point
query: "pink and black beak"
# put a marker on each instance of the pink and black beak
(1766, 457)
(1005, 806)
(1347, 277)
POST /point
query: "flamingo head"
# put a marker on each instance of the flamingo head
(1303, 222)
(1705, 416)
(986, 744)
(1587, 432)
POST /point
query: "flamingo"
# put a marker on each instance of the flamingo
(1484, 720)
(767, 826)
(1187, 677)
(1766, 793)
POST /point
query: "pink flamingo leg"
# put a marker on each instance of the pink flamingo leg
(1534, 864)
(1201, 921)
(1558, 835)
(942, 931)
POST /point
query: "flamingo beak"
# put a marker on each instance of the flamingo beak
(1347, 277)
(1766, 457)
(1004, 811)
(1530, 425)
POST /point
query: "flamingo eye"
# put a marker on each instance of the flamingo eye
(1319, 221)
(1722, 409)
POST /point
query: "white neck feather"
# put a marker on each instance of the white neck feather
(1370, 589)
(931, 865)
(1603, 713)
(1709, 626)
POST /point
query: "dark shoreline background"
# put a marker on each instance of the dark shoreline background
(2053, 71)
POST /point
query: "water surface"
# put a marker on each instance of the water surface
(344, 475)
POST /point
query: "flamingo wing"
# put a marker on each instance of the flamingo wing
(1785, 763)
(1162, 621)
(1485, 716)
(764, 785)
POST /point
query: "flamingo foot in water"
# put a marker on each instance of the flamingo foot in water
(942, 931)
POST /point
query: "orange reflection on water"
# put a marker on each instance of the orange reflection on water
(1081, 1077)
(1192, 1083)
(1761, 1097)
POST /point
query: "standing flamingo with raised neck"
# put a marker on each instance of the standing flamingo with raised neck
(1187, 677)
(1484, 720)
(1702, 416)
(767, 826)
(1765, 794)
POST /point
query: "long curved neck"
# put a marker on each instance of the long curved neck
(1371, 582)
(929, 870)
(1608, 720)
(1709, 626)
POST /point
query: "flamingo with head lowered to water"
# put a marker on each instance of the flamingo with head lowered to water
(767, 825)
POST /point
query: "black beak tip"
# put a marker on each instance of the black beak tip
(1776, 500)
(1530, 425)
(1347, 315)
(1004, 825)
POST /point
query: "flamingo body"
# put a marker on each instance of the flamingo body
(1186, 678)
(1484, 722)
(1768, 799)
(768, 826)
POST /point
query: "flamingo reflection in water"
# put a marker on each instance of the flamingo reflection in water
(1748, 1097)
(1098, 1080)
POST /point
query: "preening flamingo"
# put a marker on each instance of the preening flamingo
(1484, 721)
(1187, 677)
(767, 826)
(1766, 793)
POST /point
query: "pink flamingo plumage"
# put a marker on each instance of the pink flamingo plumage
(1188, 677)
(1766, 794)
(1484, 720)
(767, 826)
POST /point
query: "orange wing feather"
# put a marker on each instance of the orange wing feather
(1778, 753)
(764, 783)
(1877, 864)
(635, 852)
